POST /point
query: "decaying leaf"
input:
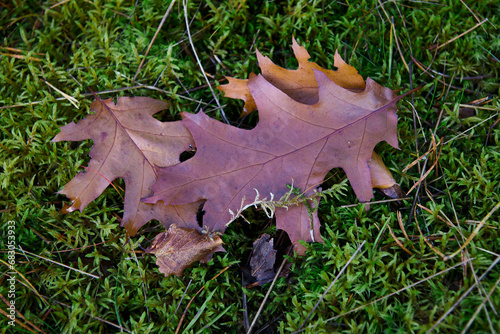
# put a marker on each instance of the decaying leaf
(178, 248)
(263, 259)
(128, 143)
(292, 143)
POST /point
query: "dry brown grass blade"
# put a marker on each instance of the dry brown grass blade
(401, 225)
(19, 50)
(396, 38)
(153, 39)
(58, 4)
(138, 86)
(182, 298)
(194, 297)
(331, 285)
(20, 57)
(475, 222)
(223, 115)
(423, 177)
(26, 283)
(396, 292)
(60, 264)
(375, 202)
(447, 222)
(19, 322)
(462, 297)
(21, 316)
(419, 65)
(480, 307)
(400, 244)
(246, 322)
(70, 98)
(416, 161)
(457, 37)
(472, 12)
(475, 232)
(425, 238)
(266, 296)
(471, 128)
(464, 254)
(121, 328)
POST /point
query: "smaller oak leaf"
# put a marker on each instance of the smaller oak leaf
(238, 89)
(179, 247)
(128, 144)
(299, 84)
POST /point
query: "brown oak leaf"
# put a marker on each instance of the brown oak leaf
(292, 143)
(128, 143)
(179, 248)
(299, 84)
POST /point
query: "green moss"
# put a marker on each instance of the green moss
(81, 45)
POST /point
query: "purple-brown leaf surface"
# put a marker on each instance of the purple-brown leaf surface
(292, 143)
(128, 144)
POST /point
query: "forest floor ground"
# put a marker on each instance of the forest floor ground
(76, 273)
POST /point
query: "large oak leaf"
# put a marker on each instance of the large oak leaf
(292, 143)
(128, 143)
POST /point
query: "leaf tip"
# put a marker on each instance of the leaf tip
(68, 208)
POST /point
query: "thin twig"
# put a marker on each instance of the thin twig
(400, 290)
(267, 295)
(246, 323)
(466, 253)
(199, 64)
(139, 86)
(473, 14)
(331, 284)
(375, 202)
(62, 265)
(475, 232)
(462, 297)
(479, 308)
(464, 132)
(462, 34)
(419, 65)
(154, 37)
(180, 301)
